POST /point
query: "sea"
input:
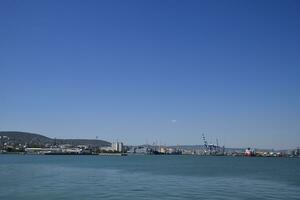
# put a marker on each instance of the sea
(30, 177)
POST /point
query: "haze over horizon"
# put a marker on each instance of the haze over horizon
(144, 71)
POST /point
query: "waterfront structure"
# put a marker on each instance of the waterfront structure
(120, 147)
(249, 152)
(117, 146)
(141, 150)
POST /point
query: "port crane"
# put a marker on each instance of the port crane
(205, 142)
(211, 148)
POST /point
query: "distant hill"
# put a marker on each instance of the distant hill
(37, 139)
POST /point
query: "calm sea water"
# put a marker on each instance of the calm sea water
(148, 177)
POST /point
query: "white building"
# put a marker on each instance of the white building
(117, 146)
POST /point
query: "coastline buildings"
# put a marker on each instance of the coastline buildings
(115, 147)
(26, 143)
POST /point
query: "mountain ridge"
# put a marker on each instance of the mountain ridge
(20, 137)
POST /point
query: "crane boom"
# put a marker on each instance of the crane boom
(204, 140)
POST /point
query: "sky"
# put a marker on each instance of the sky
(152, 71)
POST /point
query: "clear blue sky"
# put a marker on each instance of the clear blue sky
(163, 71)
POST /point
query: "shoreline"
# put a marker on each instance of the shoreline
(125, 154)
